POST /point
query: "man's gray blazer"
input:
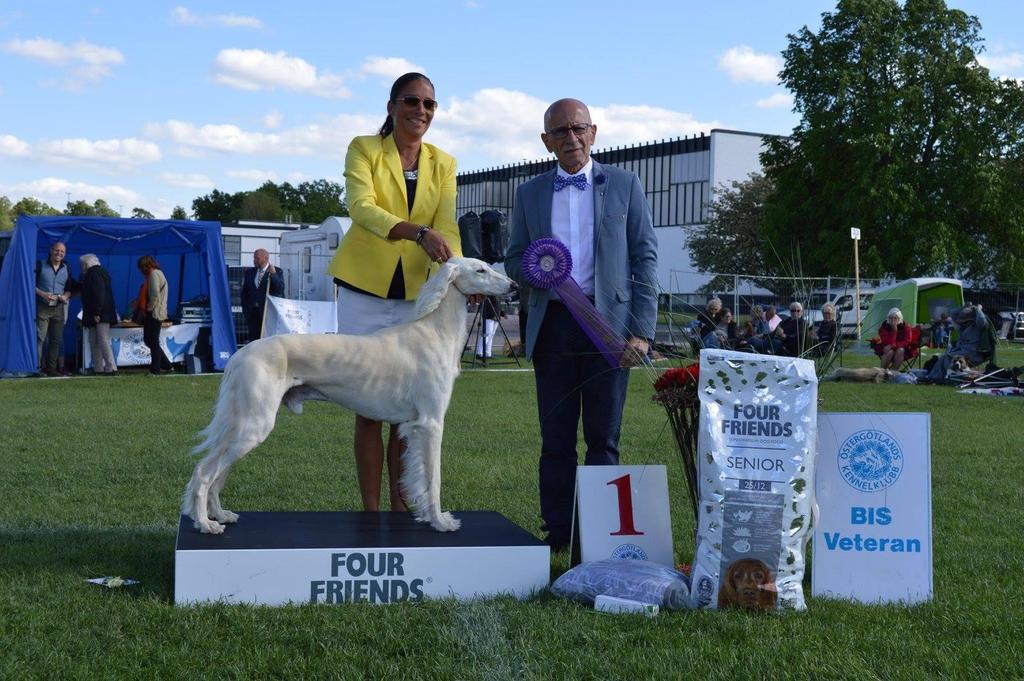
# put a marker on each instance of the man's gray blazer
(625, 250)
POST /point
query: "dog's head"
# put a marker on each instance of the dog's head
(468, 276)
(748, 584)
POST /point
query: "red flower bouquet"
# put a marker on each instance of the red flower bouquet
(676, 390)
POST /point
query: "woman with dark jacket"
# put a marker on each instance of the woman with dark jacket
(98, 313)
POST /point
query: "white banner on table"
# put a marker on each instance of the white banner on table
(623, 513)
(130, 350)
(873, 539)
(285, 315)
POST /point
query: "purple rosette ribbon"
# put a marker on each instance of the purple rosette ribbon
(547, 264)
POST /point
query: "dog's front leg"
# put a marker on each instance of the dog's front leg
(421, 475)
(442, 521)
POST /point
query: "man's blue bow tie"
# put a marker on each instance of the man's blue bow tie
(578, 181)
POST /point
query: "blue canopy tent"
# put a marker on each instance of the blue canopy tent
(190, 254)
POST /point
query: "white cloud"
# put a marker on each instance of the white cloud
(12, 146)
(259, 70)
(1004, 64)
(328, 139)
(120, 154)
(777, 101)
(54, 191)
(492, 126)
(743, 64)
(273, 120)
(184, 17)
(505, 125)
(85, 61)
(188, 180)
(389, 68)
(258, 176)
(619, 124)
(181, 15)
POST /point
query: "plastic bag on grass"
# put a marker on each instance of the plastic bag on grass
(756, 449)
(635, 580)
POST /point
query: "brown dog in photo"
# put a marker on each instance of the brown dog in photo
(748, 584)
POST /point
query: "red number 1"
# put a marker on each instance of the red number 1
(625, 492)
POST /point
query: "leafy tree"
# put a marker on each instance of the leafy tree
(7, 216)
(732, 240)
(142, 213)
(902, 134)
(261, 205)
(32, 206)
(218, 206)
(83, 208)
(179, 213)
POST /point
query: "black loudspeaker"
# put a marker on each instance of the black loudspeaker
(469, 233)
(494, 232)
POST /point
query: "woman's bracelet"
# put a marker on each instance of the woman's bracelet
(422, 232)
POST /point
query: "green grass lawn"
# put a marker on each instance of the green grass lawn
(93, 469)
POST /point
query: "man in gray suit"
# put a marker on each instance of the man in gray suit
(601, 214)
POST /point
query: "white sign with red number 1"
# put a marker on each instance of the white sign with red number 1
(623, 513)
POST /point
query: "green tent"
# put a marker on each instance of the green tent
(921, 300)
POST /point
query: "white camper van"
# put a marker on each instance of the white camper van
(305, 255)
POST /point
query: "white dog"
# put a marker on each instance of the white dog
(403, 375)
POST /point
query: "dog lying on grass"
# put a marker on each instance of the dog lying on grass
(861, 375)
(403, 375)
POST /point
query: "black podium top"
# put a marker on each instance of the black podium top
(352, 529)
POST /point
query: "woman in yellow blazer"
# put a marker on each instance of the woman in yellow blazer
(401, 197)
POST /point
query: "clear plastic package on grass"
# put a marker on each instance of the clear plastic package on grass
(636, 580)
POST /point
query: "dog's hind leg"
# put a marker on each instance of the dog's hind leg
(421, 475)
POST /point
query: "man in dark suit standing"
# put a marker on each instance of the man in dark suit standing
(601, 214)
(259, 281)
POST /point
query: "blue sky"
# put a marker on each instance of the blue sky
(151, 104)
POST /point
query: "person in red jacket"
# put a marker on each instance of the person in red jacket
(893, 340)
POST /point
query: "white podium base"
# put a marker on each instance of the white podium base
(344, 557)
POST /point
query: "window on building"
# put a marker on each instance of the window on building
(232, 250)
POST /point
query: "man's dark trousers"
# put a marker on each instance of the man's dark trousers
(570, 371)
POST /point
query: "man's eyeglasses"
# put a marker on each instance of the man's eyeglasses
(578, 130)
(796, 309)
(412, 101)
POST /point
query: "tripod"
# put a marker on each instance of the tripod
(479, 340)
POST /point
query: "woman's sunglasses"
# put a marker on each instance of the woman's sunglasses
(412, 101)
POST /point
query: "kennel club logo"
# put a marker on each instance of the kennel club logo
(870, 460)
(374, 576)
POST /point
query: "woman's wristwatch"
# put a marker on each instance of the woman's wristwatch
(422, 232)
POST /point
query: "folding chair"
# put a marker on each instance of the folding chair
(912, 359)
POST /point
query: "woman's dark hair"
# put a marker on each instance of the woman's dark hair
(402, 81)
(148, 263)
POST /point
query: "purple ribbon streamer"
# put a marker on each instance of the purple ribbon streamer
(547, 264)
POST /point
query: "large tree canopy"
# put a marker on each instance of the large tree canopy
(309, 202)
(904, 135)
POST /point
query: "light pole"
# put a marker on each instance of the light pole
(855, 235)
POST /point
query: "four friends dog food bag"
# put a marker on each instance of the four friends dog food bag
(756, 449)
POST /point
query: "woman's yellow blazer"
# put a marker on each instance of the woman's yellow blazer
(377, 201)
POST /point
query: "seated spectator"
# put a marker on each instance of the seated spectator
(773, 319)
(708, 320)
(941, 329)
(893, 341)
(759, 330)
(793, 331)
(973, 325)
(726, 330)
(826, 332)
